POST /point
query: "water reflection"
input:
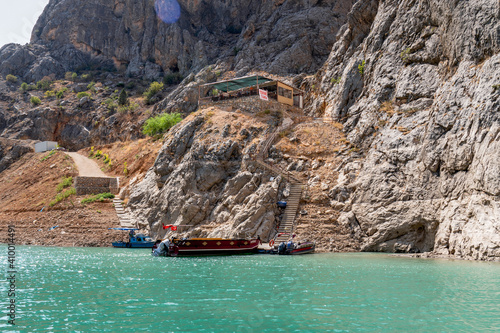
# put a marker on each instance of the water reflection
(168, 11)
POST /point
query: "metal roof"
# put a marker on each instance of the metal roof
(240, 83)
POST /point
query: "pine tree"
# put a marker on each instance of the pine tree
(122, 99)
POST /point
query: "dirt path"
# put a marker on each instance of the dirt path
(86, 167)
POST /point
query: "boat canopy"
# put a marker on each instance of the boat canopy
(126, 229)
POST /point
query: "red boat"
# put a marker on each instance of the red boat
(205, 247)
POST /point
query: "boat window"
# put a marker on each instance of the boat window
(139, 239)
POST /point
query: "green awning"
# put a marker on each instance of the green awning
(236, 84)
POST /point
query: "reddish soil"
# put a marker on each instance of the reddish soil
(30, 185)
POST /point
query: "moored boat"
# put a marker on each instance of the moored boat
(205, 247)
(292, 248)
(134, 241)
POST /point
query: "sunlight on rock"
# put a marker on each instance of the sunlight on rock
(168, 11)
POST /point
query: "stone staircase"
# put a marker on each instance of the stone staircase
(287, 224)
(123, 216)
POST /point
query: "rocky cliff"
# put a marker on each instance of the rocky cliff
(142, 38)
(204, 180)
(416, 84)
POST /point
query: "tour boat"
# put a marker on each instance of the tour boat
(205, 247)
(134, 241)
(294, 248)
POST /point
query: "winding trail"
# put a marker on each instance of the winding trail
(86, 167)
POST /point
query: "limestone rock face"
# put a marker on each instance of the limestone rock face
(12, 150)
(280, 36)
(201, 181)
(416, 85)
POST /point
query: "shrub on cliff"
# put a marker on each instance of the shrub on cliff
(82, 94)
(160, 124)
(11, 78)
(35, 100)
(152, 91)
(174, 78)
(44, 84)
(50, 93)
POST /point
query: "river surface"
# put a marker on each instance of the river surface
(127, 290)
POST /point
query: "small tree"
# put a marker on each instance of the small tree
(11, 78)
(44, 84)
(24, 87)
(152, 91)
(74, 76)
(122, 99)
(35, 100)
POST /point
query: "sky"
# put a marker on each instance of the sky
(17, 19)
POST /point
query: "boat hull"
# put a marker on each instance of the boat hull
(304, 250)
(212, 247)
(145, 245)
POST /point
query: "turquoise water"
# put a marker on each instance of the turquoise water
(127, 290)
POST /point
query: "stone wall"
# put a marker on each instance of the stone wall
(96, 185)
(252, 104)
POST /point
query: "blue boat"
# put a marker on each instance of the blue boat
(134, 241)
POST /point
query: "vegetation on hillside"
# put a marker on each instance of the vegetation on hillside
(161, 123)
(98, 197)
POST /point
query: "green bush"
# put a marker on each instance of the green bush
(82, 94)
(62, 196)
(98, 197)
(404, 55)
(128, 108)
(66, 182)
(24, 86)
(335, 80)
(91, 86)
(161, 123)
(74, 77)
(361, 68)
(35, 100)
(111, 104)
(46, 157)
(153, 89)
(86, 77)
(60, 93)
(11, 78)
(174, 78)
(50, 93)
(44, 84)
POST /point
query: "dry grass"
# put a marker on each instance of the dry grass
(388, 108)
(403, 130)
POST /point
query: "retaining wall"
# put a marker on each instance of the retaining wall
(96, 185)
(252, 104)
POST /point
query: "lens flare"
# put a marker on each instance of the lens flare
(168, 11)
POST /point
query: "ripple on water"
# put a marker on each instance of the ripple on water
(95, 290)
